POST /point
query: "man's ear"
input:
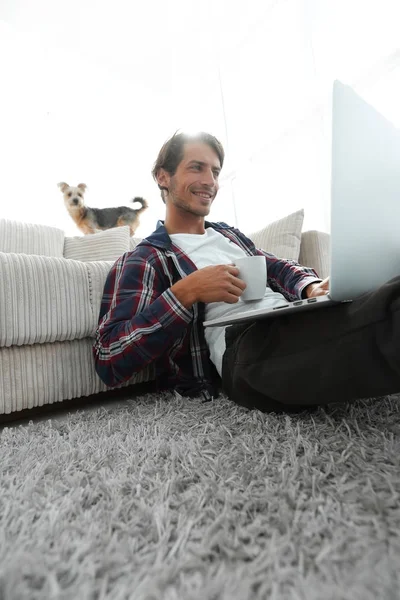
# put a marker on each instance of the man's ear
(163, 179)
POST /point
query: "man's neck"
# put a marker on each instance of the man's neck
(187, 224)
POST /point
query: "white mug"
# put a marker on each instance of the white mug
(253, 271)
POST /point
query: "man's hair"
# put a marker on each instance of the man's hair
(171, 153)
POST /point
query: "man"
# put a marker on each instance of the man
(157, 297)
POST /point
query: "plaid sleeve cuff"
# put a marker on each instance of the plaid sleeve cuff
(304, 283)
(169, 311)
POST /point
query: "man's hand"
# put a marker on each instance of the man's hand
(317, 289)
(217, 283)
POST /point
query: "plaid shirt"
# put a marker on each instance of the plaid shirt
(142, 324)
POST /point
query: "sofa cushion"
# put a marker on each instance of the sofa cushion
(281, 237)
(134, 241)
(97, 272)
(29, 238)
(38, 374)
(46, 299)
(315, 251)
(106, 245)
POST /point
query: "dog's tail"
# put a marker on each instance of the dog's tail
(143, 202)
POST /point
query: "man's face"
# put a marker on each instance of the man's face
(195, 183)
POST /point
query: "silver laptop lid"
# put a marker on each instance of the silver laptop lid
(365, 204)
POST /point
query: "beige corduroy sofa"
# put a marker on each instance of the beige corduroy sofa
(50, 294)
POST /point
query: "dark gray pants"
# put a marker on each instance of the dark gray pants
(337, 353)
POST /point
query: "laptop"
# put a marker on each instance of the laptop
(365, 208)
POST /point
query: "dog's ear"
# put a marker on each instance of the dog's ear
(63, 186)
(82, 186)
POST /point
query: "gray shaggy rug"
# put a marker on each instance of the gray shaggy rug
(169, 498)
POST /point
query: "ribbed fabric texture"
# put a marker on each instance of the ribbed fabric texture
(97, 275)
(45, 373)
(44, 299)
(281, 237)
(105, 245)
(29, 238)
(315, 252)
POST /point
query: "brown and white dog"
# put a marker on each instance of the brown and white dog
(91, 220)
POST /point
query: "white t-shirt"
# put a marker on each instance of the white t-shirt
(213, 248)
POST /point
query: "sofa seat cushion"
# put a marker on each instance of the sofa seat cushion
(48, 299)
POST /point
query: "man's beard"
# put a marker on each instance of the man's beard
(199, 211)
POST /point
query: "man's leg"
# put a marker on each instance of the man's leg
(337, 353)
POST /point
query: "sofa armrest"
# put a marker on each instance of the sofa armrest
(315, 251)
(30, 238)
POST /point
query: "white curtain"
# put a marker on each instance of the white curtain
(277, 85)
